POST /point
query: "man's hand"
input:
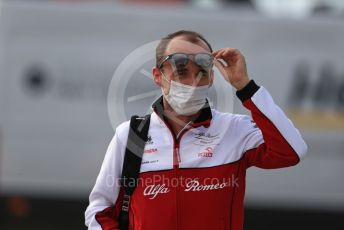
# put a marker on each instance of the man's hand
(235, 67)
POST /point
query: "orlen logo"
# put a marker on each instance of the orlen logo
(153, 150)
(208, 152)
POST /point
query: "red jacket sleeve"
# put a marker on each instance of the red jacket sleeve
(282, 144)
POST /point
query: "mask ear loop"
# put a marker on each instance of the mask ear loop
(221, 68)
(210, 76)
(198, 78)
(199, 74)
(164, 77)
(212, 72)
(208, 73)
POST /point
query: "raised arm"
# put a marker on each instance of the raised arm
(282, 144)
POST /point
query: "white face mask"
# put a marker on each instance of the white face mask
(186, 99)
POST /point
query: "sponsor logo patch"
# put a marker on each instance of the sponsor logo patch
(152, 150)
(206, 139)
(208, 152)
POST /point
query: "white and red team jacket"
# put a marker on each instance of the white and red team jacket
(196, 180)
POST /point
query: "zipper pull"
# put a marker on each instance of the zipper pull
(178, 156)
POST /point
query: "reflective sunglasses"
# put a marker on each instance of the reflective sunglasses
(204, 60)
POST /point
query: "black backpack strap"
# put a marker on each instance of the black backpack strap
(137, 137)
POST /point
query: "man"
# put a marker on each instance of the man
(194, 164)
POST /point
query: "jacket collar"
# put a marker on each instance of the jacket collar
(203, 119)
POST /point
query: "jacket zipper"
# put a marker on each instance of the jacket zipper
(176, 161)
(176, 170)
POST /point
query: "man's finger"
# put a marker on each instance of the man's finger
(231, 55)
(218, 54)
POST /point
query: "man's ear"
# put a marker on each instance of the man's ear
(157, 76)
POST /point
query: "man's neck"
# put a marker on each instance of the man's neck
(178, 122)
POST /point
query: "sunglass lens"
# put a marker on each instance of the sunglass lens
(180, 60)
(204, 60)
